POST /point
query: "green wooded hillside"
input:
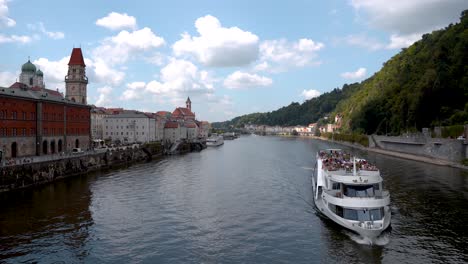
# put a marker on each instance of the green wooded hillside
(424, 85)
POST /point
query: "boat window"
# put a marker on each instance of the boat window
(350, 214)
(336, 186)
(359, 190)
(332, 207)
(376, 187)
(377, 214)
(360, 215)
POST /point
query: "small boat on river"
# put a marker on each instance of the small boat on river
(349, 191)
(214, 141)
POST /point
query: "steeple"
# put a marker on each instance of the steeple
(76, 81)
(188, 103)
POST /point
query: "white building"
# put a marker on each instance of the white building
(129, 127)
(97, 122)
(172, 131)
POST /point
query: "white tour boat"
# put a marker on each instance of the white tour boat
(349, 191)
(214, 141)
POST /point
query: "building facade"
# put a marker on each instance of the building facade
(39, 121)
(129, 127)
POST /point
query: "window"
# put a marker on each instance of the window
(45, 131)
(24, 131)
(13, 131)
(33, 116)
(14, 115)
(121, 133)
(24, 115)
(33, 132)
(336, 186)
(1, 114)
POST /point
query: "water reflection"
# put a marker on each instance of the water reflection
(33, 221)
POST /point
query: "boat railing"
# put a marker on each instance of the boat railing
(368, 225)
(339, 194)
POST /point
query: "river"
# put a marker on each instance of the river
(248, 201)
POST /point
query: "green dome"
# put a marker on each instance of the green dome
(39, 73)
(28, 67)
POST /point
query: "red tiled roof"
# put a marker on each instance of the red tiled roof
(182, 111)
(171, 124)
(18, 85)
(163, 113)
(190, 125)
(76, 57)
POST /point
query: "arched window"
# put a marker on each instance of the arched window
(59, 145)
(14, 150)
(52, 146)
(44, 147)
(73, 99)
(77, 143)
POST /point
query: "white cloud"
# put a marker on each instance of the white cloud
(408, 17)
(239, 80)
(54, 72)
(396, 41)
(282, 54)
(104, 98)
(403, 41)
(218, 46)
(309, 94)
(4, 19)
(406, 21)
(364, 41)
(103, 73)
(134, 91)
(360, 73)
(51, 34)
(115, 21)
(7, 79)
(119, 48)
(14, 38)
(264, 66)
(176, 80)
(157, 59)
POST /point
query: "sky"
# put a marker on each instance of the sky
(230, 57)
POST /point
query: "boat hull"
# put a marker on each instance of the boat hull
(363, 229)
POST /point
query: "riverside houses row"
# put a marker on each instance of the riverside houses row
(36, 121)
(117, 125)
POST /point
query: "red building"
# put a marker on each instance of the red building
(184, 113)
(38, 121)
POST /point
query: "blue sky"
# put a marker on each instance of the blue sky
(230, 57)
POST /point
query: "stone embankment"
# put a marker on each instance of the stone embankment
(30, 174)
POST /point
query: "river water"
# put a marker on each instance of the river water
(248, 201)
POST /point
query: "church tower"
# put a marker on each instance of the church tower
(188, 103)
(76, 81)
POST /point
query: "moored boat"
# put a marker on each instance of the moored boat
(349, 191)
(214, 141)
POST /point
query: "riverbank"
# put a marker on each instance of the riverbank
(34, 173)
(402, 155)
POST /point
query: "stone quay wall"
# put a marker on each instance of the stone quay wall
(31, 174)
(440, 148)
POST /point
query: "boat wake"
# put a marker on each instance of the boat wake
(379, 241)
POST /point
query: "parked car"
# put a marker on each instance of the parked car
(461, 137)
(77, 151)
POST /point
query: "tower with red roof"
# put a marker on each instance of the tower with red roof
(76, 81)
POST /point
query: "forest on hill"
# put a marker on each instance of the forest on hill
(424, 85)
